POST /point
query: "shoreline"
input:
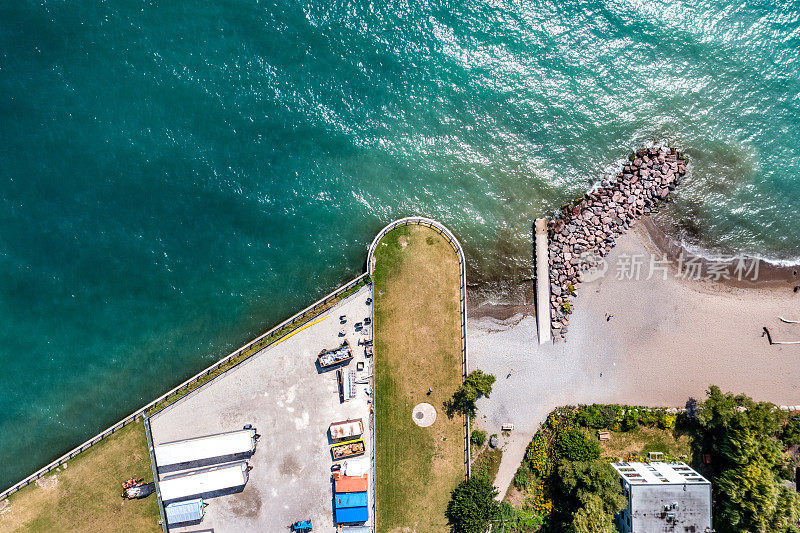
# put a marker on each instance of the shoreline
(651, 341)
(770, 276)
(770, 273)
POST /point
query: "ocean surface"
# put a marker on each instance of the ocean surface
(177, 177)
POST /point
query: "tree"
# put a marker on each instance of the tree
(587, 497)
(592, 518)
(579, 480)
(472, 506)
(476, 384)
(741, 436)
(574, 445)
(747, 498)
(481, 382)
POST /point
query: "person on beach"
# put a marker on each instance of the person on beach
(608, 317)
(796, 288)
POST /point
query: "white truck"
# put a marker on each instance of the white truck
(234, 444)
(204, 482)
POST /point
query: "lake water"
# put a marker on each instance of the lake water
(178, 177)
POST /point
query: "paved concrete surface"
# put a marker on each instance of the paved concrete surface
(291, 404)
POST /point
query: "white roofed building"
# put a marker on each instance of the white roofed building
(663, 497)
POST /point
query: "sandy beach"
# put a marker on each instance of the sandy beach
(667, 340)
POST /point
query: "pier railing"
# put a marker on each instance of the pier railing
(204, 376)
(462, 263)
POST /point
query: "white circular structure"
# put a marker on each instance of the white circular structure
(424, 415)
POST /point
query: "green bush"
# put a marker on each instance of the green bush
(574, 445)
(667, 421)
(629, 420)
(597, 416)
(791, 432)
(649, 417)
(478, 437)
(523, 477)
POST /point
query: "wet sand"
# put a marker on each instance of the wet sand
(667, 340)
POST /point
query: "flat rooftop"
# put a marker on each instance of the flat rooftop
(658, 473)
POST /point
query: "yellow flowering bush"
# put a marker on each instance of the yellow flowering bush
(536, 455)
(542, 504)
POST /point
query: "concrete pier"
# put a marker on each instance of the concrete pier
(542, 280)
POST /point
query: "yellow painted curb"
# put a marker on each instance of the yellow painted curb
(298, 330)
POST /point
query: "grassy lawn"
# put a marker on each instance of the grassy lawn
(417, 346)
(642, 440)
(486, 461)
(86, 495)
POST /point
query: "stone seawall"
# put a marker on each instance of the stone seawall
(587, 229)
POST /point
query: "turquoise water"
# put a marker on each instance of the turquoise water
(176, 178)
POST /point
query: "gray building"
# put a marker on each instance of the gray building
(663, 497)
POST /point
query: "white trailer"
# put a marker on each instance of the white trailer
(203, 482)
(234, 443)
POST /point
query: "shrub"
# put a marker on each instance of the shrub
(649, 417)
(667, 421)
(536, 455)
(523, 477)
(542, 503)
(791, 432)
(478, 437)
(574, 445)
(629, 420)
(598, 416)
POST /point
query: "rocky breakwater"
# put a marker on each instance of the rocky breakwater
(587, 229)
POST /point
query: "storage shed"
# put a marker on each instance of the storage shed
(183, 512)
